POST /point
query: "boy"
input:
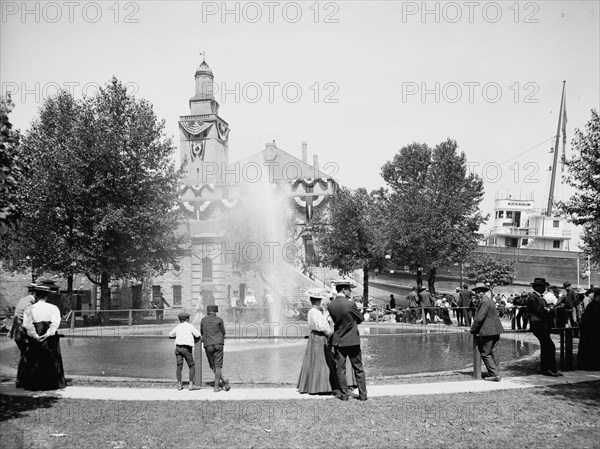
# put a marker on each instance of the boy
(212, 329)
(185, 336)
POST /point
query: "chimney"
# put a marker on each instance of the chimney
(315, 163)
(304, 152)
(270, 145)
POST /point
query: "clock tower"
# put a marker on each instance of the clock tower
(204, 136)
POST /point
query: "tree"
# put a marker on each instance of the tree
(496, 272)
(433, 208)
(13, 168)
(349, 233)
(584, 174)
(102, 195)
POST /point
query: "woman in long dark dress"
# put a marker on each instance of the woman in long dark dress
(317, 368)
(588, 355)
(43, 365)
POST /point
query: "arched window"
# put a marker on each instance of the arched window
(207, 269)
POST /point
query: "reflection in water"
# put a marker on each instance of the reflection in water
(384, 354)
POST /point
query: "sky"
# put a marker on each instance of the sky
(356, 80)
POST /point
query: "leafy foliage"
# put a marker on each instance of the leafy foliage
(584, 174)
(349, 235)
(13, 168)
(485, 268)
(433, 208)
(102, 195)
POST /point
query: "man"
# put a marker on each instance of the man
(570, 302)
(19, 333)
(522, 317)
(539, 318)
(466, 297)
(426, 303)
(159, 304)
(346, 339)
(413, 302)
(392, 302)
(486, 329)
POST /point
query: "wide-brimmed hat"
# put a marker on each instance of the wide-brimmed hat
(212, 308)
(345, 283)
(480, 286)
(41, 289)
(317, 293)
(566, 284)
(183, 315)
(540, 281)
(31, 287)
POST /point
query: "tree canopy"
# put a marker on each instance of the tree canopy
(584, 174)
(101, 198)
(433, 208)
(486, 268)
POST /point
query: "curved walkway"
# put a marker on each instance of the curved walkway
(272, 394)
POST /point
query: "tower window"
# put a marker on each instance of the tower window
(556, 244)
(555, 223)
(207, 269)
(500, 214)
(177, 295)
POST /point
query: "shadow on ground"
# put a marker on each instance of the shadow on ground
(12, 407)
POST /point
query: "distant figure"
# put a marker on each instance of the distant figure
(268, 301)
(413, 303)
(19, 333)
(250, 303)
(588, 356)
(185, 335)
(466, 297)
(43, 365)
(158, 303)
(392, 303)
(486, 329)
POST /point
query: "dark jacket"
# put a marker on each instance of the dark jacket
(345, 317)
(466, 296)
(212, 330)
(425, 299)
(486, 321)
(538, 310)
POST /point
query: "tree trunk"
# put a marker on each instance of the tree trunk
(366, 286)
(70, 291)
(419, 277)
(105, 298)
(431, 280)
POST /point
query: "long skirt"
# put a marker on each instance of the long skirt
(317, 374)
(43, 368)
(588, 356)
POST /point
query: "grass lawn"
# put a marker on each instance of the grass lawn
(562, 416)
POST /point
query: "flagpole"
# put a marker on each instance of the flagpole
(551, 193)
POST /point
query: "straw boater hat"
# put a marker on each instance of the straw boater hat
(345, 283)
(317, 293)
(480, 287)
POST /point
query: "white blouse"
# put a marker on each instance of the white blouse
(38, 312)
(318, 322)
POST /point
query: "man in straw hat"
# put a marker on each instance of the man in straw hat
(487, 328)
(346, 339)
(539, 318)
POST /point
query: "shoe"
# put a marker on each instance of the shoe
(194, 387)
(226, 385)
(550, 373)
(362, 398)
(484, 375)
(344, 397)
(492, 378)
(180, 386)
(217, 389)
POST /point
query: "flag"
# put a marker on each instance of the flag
(564, 134)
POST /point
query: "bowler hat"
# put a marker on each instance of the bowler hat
(540, 281)
(212, 308)
(480, 286)
(183, 315)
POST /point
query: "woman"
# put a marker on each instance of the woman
(588, 357)
(317, 373)
(43, 366)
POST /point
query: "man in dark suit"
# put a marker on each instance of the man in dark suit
(466, 297)
(426, 302)
(346, 339)
(539, 318)
(486, 330)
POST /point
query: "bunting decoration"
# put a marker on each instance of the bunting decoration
(222, 131)
(195, 127)
(197, 149)
(196, 189)
(310, 182)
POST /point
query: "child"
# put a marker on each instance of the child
(212, 329)
(185, 336)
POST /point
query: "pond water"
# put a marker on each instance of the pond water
(386, 352)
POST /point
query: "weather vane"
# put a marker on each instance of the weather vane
(203, 56)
